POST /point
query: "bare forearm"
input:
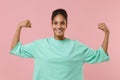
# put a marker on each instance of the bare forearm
(104, 28)
(16, 37)
(105, 42)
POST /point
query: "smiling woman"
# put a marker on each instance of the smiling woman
(59, 23)
(59, 58)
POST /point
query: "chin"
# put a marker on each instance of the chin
(59, 35)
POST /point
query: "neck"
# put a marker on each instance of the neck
(59, 37)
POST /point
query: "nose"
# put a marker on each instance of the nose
(59, 26)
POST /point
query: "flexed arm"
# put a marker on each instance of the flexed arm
(103, 27)
(16, 38)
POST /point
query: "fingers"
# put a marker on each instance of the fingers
(27, 23)
(101, 26)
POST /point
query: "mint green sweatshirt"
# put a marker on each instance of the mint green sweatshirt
(59, 59)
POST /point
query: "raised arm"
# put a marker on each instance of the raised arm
(103, 27)
(16, 37)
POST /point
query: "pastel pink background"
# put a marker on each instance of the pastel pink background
(84, 16)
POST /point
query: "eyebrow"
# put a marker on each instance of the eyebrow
(58, 21)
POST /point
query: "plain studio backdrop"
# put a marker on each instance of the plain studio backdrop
(83, 19)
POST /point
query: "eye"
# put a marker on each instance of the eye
(63, 23)
(55, 23)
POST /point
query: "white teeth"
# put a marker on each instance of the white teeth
(59, 30)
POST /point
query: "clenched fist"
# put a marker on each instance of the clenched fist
(103, 27)
(25, 23)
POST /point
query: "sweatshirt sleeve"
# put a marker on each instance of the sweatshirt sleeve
(26, 51)
(95, 56)
(92, 56)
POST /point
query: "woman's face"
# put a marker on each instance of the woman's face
(59, 25)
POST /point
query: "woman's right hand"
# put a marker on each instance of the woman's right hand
(25, 23)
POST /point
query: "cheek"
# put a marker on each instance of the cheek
(53, 27)
(65, 27)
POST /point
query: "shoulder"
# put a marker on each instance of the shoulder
(40, 40)
(80, 44)
(75, 41)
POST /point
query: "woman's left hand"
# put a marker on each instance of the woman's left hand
(103, 27)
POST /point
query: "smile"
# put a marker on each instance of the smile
(58, 30)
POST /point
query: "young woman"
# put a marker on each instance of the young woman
(57, 57)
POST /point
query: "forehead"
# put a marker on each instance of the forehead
(59, 17)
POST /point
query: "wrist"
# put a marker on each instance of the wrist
(107, 32)
(19, 26)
